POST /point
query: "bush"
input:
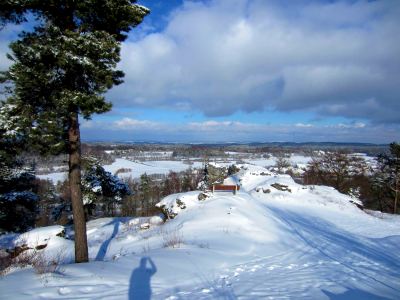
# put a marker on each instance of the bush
(172, 239)
(33, 258)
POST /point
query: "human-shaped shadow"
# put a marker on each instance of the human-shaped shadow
(140, 283)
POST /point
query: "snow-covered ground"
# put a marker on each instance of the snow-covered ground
(134, 169)
(274, 239)
(54, 177)
(150, 167)
(294, 160)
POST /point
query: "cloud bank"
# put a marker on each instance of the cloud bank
(232, 131)
(219, 57)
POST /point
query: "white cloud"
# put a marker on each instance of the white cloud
(128, 123)
(124, 125)
(226, 56)
(302, 125)
(357, 125)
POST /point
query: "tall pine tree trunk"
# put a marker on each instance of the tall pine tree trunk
(396, 195)
(81, 247)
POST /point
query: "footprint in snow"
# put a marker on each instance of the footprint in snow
(273, 267)
(291, 266)
(239, 270)
(64, 291)
(86, 290)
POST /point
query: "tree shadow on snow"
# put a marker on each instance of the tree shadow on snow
(140, 282)
(224, 293)
(352, 294)
(104, 247)
(364, 256)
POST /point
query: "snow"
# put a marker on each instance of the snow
(54, 177)
(172, 202)
(294, 160)
(135, 169)
(150, 167)
(293, 242)
(38, 236)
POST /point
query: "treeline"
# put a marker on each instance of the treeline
(58, 163)
(35, 202)
(31, 202)
(377, 186)
(149, 190)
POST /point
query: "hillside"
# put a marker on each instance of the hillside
(274, 239)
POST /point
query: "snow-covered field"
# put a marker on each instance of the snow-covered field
(135, 169)
(294, 160)
(274, 239)
(54, 177)
(149, 167)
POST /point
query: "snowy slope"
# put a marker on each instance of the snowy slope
(274, 239)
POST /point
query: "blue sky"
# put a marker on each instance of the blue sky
(257, 70)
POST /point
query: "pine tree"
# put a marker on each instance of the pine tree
(62, 70)
(102, 188)
(205, 180)
(232, 169)
(18, 202)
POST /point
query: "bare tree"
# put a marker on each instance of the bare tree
(334, 169)
(388, 175)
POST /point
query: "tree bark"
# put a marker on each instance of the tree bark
(396, 196)
(81, 247)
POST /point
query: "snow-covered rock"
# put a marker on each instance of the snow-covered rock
(175, 203)
(156, 220)
(39, 236)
